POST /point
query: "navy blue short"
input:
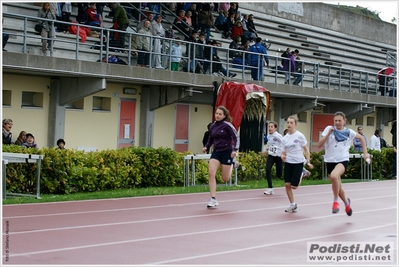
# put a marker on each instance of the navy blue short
(224, 157)
(331, 166)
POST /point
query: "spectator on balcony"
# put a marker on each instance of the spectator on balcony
(228, 26)
(234, 9)
(143, 45)
(180, 24)
(176, 55)
(285, 56)
(257, 59)
(65, 16)
(21, 138)
(217, 67)
(30, 141)
(7, 134)
(236, 45)
(206, 20)
(47, 31)
(289, 69)
(357, 145)
(94, 18)
(221, 20)
(189, 19)
(120, 21)
(150, 18)
(237, 30)
(5, 37)
(247, 34)
(194, 16)
(251, 25)
(224, 7)
(157, 31)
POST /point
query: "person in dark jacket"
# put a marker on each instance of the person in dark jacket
(206, 135)
(226, 142)
(7, 135)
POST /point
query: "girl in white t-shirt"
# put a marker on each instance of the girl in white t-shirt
(294, 144)
(337, 140)
(273, 154)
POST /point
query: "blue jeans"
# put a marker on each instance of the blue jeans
(298, 77)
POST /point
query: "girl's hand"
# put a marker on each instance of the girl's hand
(310, 165)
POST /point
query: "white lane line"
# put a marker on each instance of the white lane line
(180, 217)
(199, 233)
(175, 205)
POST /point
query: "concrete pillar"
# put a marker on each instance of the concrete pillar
(56, 117)
(146, 119)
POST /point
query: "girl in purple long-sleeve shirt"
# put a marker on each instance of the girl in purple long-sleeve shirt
(224, 138)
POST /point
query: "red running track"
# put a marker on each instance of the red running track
(247, 228)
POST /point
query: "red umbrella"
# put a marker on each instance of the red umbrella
(388, 71)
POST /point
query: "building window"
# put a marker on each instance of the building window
(6, 98)
(32, 100)
(101, 103)
(303, 117)
(359, 121)
(370, 121)
(78, 105)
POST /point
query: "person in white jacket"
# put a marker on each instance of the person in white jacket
(157, 30)
(375, 140)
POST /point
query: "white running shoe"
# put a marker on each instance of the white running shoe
(291, 208)
(269, 191)
(305, 173)
(212, 203)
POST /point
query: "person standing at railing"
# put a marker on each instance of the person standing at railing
(157, 31)
(290, 67)
(65, 15)
(150, 18)
(47, 30)
(259, 54)
(143, 45)
(121, 20)
(176, 55)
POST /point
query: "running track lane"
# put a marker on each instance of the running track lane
(246, 228)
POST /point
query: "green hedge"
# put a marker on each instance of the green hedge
(67, 171)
